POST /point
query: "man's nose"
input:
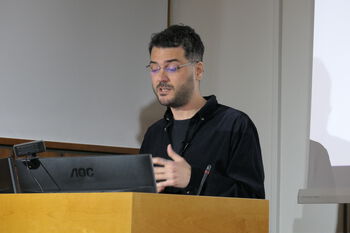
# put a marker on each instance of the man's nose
(163, 75)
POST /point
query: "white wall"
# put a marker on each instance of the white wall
(296, 69)
(329, 124)
(74, 70)
(258, 59)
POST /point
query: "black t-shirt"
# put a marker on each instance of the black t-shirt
(178, 134)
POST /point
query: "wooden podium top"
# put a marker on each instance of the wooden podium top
(130, 212)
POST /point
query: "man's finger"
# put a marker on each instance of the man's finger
(172, 154)
(159, 161)
(165, 183)
(161, 176)
(159, 170)
(160, 188)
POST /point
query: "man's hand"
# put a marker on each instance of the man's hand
(175, 172)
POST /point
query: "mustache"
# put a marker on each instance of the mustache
(164, 85)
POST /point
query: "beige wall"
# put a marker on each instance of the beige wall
(241, 65)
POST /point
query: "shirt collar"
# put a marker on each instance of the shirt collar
(204, 113)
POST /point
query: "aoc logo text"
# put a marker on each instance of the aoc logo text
(82, 172)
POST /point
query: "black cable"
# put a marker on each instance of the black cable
(53, 180)
(35, 163)
(27, 161)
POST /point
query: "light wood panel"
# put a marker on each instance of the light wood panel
(130, 213)
(178, 213)
(58, 213)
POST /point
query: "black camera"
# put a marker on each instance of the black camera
(29, 148)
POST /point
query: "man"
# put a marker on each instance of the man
(200, 146)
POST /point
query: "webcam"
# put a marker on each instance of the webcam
(29, 148)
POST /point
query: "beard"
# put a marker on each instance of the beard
(182, 94)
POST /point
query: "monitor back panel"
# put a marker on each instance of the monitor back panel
(8, 183)
(102, 173)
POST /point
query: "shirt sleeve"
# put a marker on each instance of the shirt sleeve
(244, 174)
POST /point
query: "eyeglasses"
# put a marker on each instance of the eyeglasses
(170, 68)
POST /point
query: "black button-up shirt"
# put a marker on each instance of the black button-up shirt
(219, 136)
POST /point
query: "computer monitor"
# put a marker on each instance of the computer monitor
(8, 182)
(100, 173)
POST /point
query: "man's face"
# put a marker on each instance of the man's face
(173, 89)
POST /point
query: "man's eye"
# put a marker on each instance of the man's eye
(171, 68)
(154, 68)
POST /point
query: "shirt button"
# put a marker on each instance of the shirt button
(188, 192)
(202, 118)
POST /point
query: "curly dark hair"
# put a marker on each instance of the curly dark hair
(176, 36)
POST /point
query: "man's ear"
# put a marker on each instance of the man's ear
(199, 70)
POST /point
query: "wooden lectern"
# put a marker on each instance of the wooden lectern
(130, 213)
